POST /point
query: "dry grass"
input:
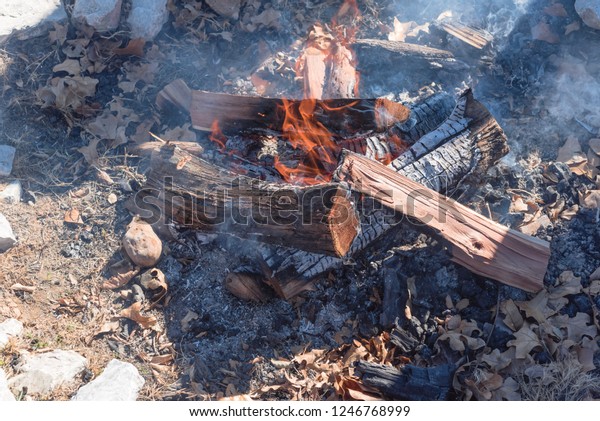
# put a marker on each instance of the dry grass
(558, 381)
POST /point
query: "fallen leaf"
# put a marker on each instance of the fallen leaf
(508, 392)
(111, 326)
(497, 360)
(72, 216)
(133, 312)
(90, 152)
(58, 35)
(543, 32)
(187, 319)
(121, 278)
(483, 384)
(525, 341)
(572, 27)
(590, 199)
(576, 327)
(572, 155)
(513, 318)
(67, 92)
(537, 308)
(72, 67)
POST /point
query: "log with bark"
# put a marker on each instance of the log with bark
(199, 195)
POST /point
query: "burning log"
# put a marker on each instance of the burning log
(477, 243)
(460, 158)
(200, 195)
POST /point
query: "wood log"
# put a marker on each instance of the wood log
(408, 382)
(477, 243)
(177, 94)
(475, 37)
(342, 116)
(460, 160)
(202, 196)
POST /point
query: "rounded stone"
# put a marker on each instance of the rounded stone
(141, 244)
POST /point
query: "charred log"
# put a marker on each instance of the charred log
(318, 218)
(408, 382)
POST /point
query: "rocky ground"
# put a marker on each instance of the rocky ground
(77, 101)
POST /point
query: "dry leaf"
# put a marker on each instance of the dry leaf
(72, 216)
(513, 318)
(72, 67)
(576, 327)
(247, 286)
(537, 308)
(121, 278)
(499, 360)
(543, 32)
(187, 319)
(90, 152)
(133, 313)
(590, 199)
(508, 392)
(525, 341)
(109, 327)
(571, 154)
(572, 27)
(58, 35)
(483, 384)
(67, 92)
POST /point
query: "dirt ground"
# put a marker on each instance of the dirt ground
(208, 344)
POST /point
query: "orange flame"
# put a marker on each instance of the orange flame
(216, 135)
(301, 128)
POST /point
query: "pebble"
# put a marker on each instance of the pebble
(147, 18)
(40, 374)
(120, 381)
(102, 15)
(5, 393)
(12, 193)
(141, 244)
(7, 156)
(589, 11)
(7, 237)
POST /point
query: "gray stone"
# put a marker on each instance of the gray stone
(42, 373)
(102, 15)
(7, 156)
(5, 393)
(4, 339)
(147, 18)
(589, 11)
(19, 14)
(7, 237)
(12, 193)
(11, 327)
(120, 381)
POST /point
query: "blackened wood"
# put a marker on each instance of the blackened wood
(199, 195)
(404, 340)
(343, 116)
(394, 294)
(476, 242)
(408, 382)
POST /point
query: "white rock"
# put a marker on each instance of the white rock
(120, 381)
(19, 14)
(7, 156)
(5, 393)
(12, 193)
(11, 327)
(102, 15)
(589, 11)
(147, 18)
(7, 237)
(42, 373)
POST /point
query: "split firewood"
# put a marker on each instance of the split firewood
(199, 195)
(478, 38)
(416, 54)
(477, 243)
